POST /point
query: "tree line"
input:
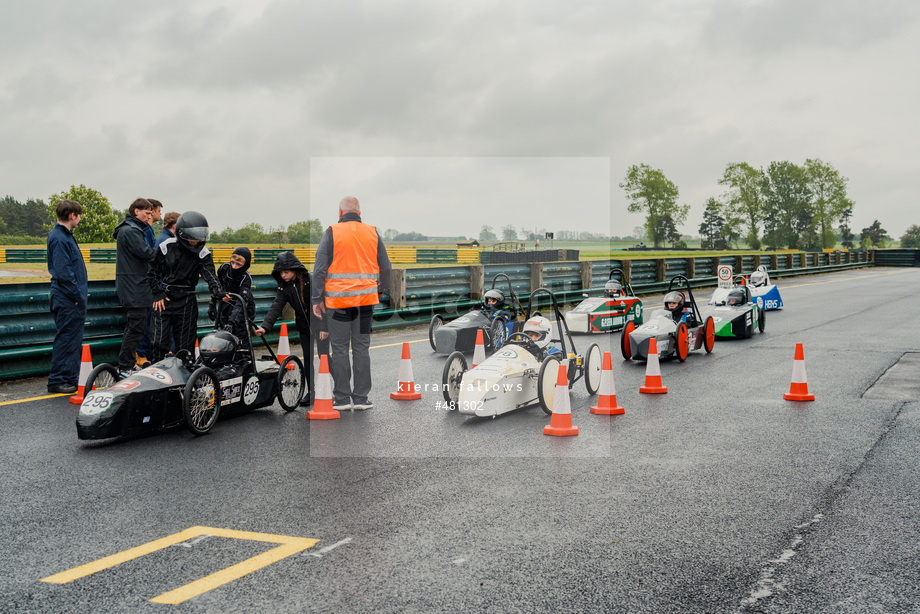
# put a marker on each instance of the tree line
(784, 205)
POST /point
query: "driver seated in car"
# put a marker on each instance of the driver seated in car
(539, 330)
(735, 297)
(680, 312)
(494, 304)
(613, 289)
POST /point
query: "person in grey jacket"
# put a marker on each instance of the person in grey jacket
(132, 258)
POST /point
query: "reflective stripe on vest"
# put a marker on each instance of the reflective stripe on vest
(351, 280)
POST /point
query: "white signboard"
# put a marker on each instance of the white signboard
(725, 276)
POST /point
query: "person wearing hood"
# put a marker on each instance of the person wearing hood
(234, 278)
(294, 290)
(132, 258)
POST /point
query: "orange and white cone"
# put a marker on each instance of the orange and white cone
(284, 345)
(86, 367)
(653, 371)
(479, 352)
(560, 423)
(405, 386)
(607, 395)
(322, 400)
(798, 391)
(197, 351)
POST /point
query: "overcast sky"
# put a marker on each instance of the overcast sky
(444, 116)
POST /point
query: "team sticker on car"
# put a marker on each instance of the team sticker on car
(156, 374)
(232, 390)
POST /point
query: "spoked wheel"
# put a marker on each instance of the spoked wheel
(436, 323)
(709, 335)
(499, 333)
(291, 383)
(761, 319)
(201, 401)
(546, 383)
(452, 377)
(593, 367)
(625, 346)
(683, 342)
(102, 376)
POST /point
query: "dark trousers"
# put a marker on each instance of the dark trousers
(306, 342)
(135, 325)
(65, 355)
(179, 323)
(144, 348)
(350, 337)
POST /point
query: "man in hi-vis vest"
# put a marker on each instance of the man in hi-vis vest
(351, 269)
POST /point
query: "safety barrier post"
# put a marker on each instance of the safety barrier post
(691, 268)
(398, 289)
(660, 270)
(536, 275)
(586, 275)
(716, 261)
(774, 262)
(477, 282)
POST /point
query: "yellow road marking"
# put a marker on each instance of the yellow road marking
(289, 546)
(46, 396)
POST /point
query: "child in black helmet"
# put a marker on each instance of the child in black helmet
(173, 274)
(235, 279)
(294, 290)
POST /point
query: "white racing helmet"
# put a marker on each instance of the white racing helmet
(541, 326)
(758, 278)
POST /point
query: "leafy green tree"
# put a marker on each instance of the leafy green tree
(98, 221)
(711, 228)
(487, 234)
(744, 200)
(846, 235)
(788, 214)
(250, 234)
(911, 238)
(829, 198)
(390, 234)
(509, 233)
(410, 236)
(877, 235)
(309, 231)
(650, 191)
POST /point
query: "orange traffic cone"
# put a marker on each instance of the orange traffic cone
(479, 352)
(405, 386)
(653, 371)
(798, 391)
(560, 423)
(86, 367)
(322, 401)
(197, 351)
(284, 345)
(607, 396)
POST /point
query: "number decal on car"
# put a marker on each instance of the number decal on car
(251, 392)
(96, 403)
(157, 374)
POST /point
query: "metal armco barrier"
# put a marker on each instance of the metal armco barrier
(27, 328)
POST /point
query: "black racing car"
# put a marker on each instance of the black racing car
(226, 376)
(497, 324)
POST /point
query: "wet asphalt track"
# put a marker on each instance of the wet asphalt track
(717, 497)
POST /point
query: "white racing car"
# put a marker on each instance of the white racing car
(519, 374)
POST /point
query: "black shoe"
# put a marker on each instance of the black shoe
(62, 389)
(307, 401)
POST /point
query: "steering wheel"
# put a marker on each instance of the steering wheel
(524, 340)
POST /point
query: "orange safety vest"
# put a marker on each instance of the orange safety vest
(352, 277)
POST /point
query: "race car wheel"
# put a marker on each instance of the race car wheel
(709, 334)
(546, 382)
(452, 377)
(201, 401)
(436, 323)
(683, 342)
(101, 377)
(499, 333)
(625, 346)
(593, 365)
(291, 383)
(761, 319)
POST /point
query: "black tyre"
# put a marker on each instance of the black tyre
(291, 383)
(436, 323)
(593, 366)
(201, 401)
(101, 377)
(499, 333)
(546, 382)
(452, 377)
(761, 319)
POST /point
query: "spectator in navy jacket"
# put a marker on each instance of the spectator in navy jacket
(69, 289)
(169, 227)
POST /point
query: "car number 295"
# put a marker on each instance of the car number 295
(96, 403)
(251, 392)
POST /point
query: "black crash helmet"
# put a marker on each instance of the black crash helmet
(613, 288)
(735, 297)
(674, 297)
(218, 347)
(192, 226)
(494, 294)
